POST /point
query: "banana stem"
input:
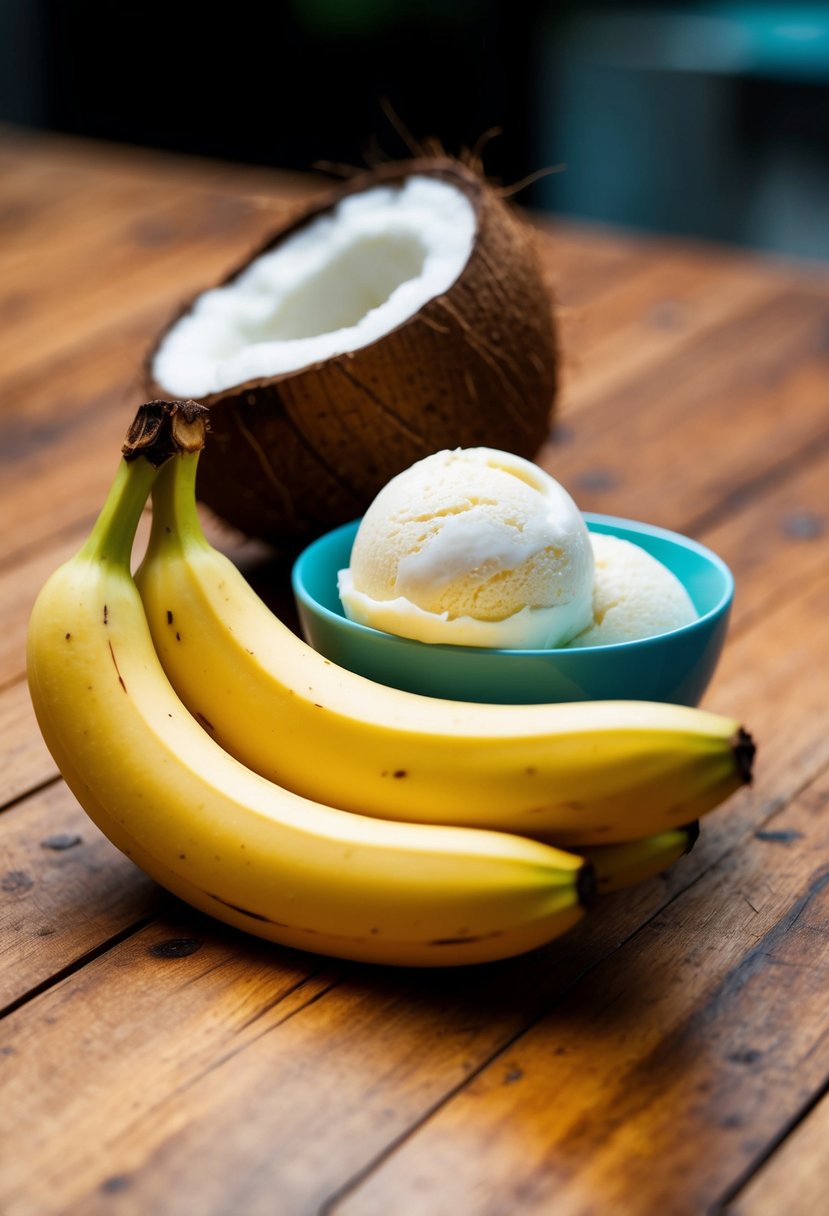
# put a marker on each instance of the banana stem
(175, 517)
(112, 537)
(159, 431)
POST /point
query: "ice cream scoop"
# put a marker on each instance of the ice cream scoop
(475, 547)
(634, 595)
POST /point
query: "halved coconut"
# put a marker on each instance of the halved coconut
(403, 313)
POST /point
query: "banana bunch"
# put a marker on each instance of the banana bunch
(270, 788)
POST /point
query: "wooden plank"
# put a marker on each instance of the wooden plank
(51, 185)
(62, 444)
(117, 276)
(87, 405)
(64, 891)
(338, 1084)
(126, 243)
(664, 1072)
(772, 678)
(779, 535)
(586, 263)
(728, 410)
(335, 1081)
(794, 1178)
(18, 587)
(287, 1130)
(26, 762)
(646, 323)
(88, 1061)
(330, 1087)
(32, 160)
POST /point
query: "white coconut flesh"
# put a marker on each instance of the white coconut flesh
(341, 282)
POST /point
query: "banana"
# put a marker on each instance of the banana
(623, 865)
(227, 840)
(580, 774)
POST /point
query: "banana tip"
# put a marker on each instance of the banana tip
(744, 750)
(692, 834)
(587, 886)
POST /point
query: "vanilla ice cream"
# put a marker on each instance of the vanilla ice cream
(474, 547)
(634, 595)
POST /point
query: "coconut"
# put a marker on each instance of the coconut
(402, 313)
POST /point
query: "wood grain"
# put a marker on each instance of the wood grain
(727, 410)
(149, 1017)
(386, 1028)
(706, 1028)
(794, 1178)
(64, 891)
(26, 762)
(668, 1055)
(649, 318)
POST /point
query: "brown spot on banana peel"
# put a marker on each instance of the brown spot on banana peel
(115, 661)
(259, 916)
(547, 808)
(247, 912)
(281, 924)
(464, 941)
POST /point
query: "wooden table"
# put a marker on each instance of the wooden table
(669, 1056)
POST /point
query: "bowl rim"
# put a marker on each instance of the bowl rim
(679, 539)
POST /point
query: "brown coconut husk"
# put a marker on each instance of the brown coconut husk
(295, 454)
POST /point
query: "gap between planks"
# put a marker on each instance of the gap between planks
(732, 1198)
(799, 1160)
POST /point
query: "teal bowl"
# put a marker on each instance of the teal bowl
(675, 666)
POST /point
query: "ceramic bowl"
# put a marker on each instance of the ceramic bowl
(675, 666)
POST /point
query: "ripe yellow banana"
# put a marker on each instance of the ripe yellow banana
(623, 865)
(227, 840)
(581, 774)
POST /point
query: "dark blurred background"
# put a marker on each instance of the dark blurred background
(707, 119)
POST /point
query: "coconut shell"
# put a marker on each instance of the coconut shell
(293, 455)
